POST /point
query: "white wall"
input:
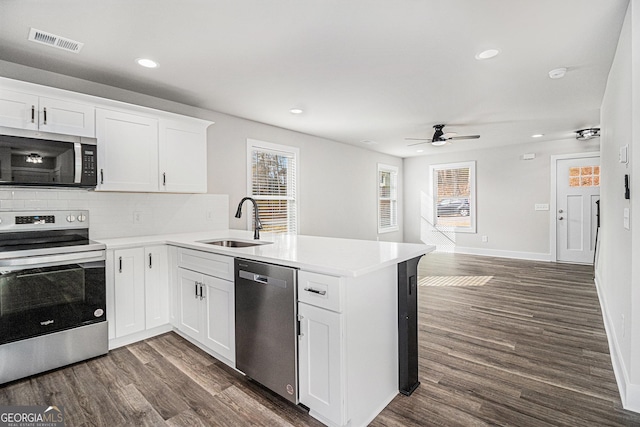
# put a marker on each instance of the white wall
(337, 181)
(507, 188)
(618, 272)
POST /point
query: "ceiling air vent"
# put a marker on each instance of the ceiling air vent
(55, 41)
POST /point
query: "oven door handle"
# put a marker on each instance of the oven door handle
(16, 264)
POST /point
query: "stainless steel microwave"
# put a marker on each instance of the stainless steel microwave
(29, 158)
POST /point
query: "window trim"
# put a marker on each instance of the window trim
(394, 170)
(277, 148)
(472, 196)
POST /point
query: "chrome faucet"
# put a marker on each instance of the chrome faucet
(257, 225)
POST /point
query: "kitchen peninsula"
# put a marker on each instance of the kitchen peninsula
(349, 363)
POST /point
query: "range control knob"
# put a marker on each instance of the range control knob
(82, 218)
(71, 218)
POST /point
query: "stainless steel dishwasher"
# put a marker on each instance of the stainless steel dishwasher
(266, 325)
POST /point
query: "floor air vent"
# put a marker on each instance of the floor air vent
(55, 41)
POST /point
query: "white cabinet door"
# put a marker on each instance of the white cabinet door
(18, 110)
(320, 363)
(219, 317)
(156, 279)
(66, 117)
(189, 304)
(129, 291)
(183, 157)
(28, 111)
(127, 151)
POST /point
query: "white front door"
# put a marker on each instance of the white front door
(577, 191)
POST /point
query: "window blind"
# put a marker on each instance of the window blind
(387, 198)
(273, 186)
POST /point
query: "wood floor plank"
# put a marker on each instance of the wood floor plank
(528, 349)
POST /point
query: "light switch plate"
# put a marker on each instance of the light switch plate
(626, 218)
(623, 155)
(528, 156)
(542, 206)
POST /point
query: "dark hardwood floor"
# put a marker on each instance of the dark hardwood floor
(525, 348)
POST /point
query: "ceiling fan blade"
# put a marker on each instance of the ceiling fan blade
(423, 141)
(418, 139)
(465, 137)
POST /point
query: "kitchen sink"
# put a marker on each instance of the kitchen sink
(235, 243)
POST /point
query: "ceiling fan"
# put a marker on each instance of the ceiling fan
(441, 138)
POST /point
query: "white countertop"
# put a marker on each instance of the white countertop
(325, 255)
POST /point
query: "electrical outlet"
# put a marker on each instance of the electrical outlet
(208, 215)
(485, 239)
(137, 217)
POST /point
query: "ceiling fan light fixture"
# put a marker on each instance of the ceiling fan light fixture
(437, 143)
(586, 134)
(487, 54)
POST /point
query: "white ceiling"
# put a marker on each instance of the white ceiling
(377, 70)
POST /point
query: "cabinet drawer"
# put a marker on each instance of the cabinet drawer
(207, 263)
(320, 290)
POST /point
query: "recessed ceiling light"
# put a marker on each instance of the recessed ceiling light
(367, 142)
(487, 54)
(557, 73)
(296, 111)
(147, 63)
(537, 135)
(419, 151)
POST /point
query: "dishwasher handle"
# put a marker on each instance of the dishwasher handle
(262, 279)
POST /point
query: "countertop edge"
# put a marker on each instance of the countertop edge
(193, 241)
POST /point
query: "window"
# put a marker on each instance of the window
(271, 181)
(387, 198)
(454, 196)
(584, 176)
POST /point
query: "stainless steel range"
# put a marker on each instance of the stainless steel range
(52, 292)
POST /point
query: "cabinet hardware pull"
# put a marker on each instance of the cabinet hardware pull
(201, 294)
(196, 290)
(120, 263)
(150, 262)
(33, 114)
(101, 176)
(315, 291)
(164, 179)
(45, 115)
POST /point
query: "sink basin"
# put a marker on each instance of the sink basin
(235, 243)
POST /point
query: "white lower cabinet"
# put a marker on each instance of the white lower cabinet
(206, 306)
(140, 289)
(129, 291)
(156, 286)
(320, 362)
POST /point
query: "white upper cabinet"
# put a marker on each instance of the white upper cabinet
(127, 151)
(28, 111)
(139, 149)
(183, 156)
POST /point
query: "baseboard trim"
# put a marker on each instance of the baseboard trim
(629, 392)
(531, 256)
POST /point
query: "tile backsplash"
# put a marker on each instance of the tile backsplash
(128, 214)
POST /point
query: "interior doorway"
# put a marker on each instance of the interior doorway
(575, 188)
